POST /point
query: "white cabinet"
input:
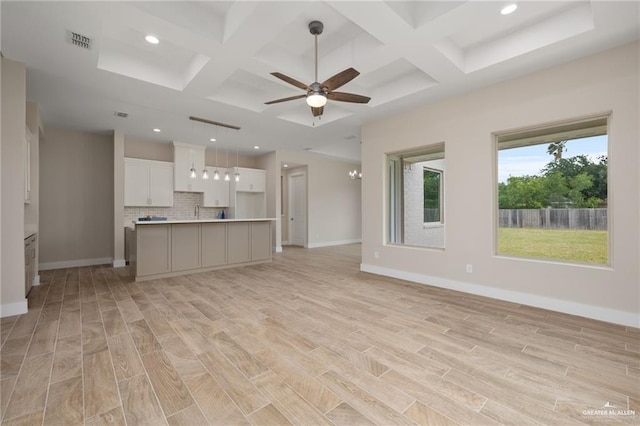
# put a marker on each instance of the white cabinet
(148, 183)
(216, 192)
(251, 180)
(186, 157)
(27, 166)
(247, 197)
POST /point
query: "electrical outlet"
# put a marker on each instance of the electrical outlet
(376, 254)
(469, 268)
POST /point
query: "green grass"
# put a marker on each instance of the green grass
(557, 244)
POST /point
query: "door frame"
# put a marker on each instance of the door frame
(291, 198)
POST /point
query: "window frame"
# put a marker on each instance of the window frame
(394, 229)
(572, 130)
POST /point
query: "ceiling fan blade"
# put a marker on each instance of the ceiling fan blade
(317, 112)
(340, 79)
(348, 97)
(290, 98)
(290, 80)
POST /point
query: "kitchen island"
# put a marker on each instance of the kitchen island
(170, 248)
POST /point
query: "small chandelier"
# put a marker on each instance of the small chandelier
(355, 174)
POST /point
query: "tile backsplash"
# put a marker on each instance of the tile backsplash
(184, 204)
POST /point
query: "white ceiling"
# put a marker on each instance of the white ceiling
(215, 58)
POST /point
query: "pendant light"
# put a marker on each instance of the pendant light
(216, 175)
(205, 173)
(192, 172)
(355, 174)
(226, 172)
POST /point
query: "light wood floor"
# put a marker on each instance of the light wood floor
(305, 340)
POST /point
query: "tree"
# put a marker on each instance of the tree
(522, 192)
(576, 182)
(574, 166)
(431, 188)
(556, 149)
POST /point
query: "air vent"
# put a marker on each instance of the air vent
(350, 137)
(121, 114)
(79, 40)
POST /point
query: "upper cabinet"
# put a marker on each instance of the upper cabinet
(247, 197)
(148, 183)
(216, 192)
(27, 166)
(251, 180)
(185, 158)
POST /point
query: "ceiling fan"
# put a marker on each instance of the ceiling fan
(318, 93)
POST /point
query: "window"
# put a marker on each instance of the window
(552, 193)
(416, 197)
(433, 195)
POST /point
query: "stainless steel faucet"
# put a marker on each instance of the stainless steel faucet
(196, 211)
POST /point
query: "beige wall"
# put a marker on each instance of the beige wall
(118, 199)
(243, 160)
(270, 163)
(163, 151)
(604, 82)
(32, 210)
(76, 199)
(13, 117)
(333, 210)
(139, 148)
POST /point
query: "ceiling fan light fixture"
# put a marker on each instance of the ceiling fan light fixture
(316, 100)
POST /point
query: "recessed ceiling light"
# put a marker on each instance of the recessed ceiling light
(212, 139)
(157, 130)
(256, 147)
(509, 9)
(152, 39)
(285, 165)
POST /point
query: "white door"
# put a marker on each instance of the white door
(297, 209)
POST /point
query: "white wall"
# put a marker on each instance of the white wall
(13, 117)
(76, 199)
(334, 210)
(607, 81)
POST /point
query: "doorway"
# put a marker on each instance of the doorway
(297, 183)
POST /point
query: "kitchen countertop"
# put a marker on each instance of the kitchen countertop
(165, 222)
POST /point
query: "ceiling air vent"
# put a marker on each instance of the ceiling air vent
(121, 114)
(79, 40)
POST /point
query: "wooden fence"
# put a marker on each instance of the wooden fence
(590, 219)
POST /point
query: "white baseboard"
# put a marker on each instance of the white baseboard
(74, 263)
(36, 281)
(11, 309)
(333, 243)
(120, 263)
(285, 243)
(278, 249)
(631, 319)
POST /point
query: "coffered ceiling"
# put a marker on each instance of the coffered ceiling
(214, 61)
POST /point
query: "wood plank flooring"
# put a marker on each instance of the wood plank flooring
(305, 340)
